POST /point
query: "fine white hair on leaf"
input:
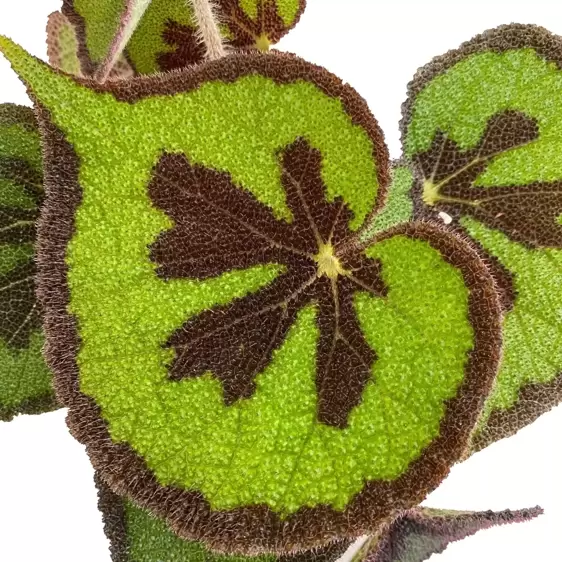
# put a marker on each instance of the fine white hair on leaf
(208, 28)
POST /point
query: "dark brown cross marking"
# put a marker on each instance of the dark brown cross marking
(188, 48)
(219, 228)
(528, 214)
(267, 27)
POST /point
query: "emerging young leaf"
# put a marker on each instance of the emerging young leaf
(25, 382)
(104, 29)
(136, 535)
(421, 532)
(483, 128)
(233, 357)
(62, 44)
(166, 36)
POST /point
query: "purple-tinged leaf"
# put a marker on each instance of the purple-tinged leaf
(422, 532)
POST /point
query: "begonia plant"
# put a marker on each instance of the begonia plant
(271, 339)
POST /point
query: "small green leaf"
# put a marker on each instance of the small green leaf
(422, 532)
(25, 382)
(207, 256)
(482, 127)
(62, 44)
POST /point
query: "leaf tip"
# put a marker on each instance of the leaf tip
(22, 62)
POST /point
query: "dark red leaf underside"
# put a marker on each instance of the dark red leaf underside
(420, 533)
(219, 228)
(528, 214)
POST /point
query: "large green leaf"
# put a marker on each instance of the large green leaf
(248, 369)
(483, 128)
(165, 37)
(135, 535)
(25, 382)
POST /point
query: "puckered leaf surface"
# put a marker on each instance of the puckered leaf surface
(422, 532)
(25, 383)
(136, 535)
(482, 126)
(207, 290)
(164, 37)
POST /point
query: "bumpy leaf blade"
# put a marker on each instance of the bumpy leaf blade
(25, 382)
(482, 127)
(422, 532)
(268, 470)
(135, 535)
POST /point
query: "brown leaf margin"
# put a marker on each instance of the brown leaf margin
(114, 518)
(498, 40)
(535, 399)
(503, 278)
(281, 68)
(256, 529)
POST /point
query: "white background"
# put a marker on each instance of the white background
(47, 497)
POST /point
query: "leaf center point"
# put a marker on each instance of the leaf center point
(328, 264)
(262, 43)
(430, 193)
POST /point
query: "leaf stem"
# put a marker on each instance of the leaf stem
(130, 18)
(208, 28)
